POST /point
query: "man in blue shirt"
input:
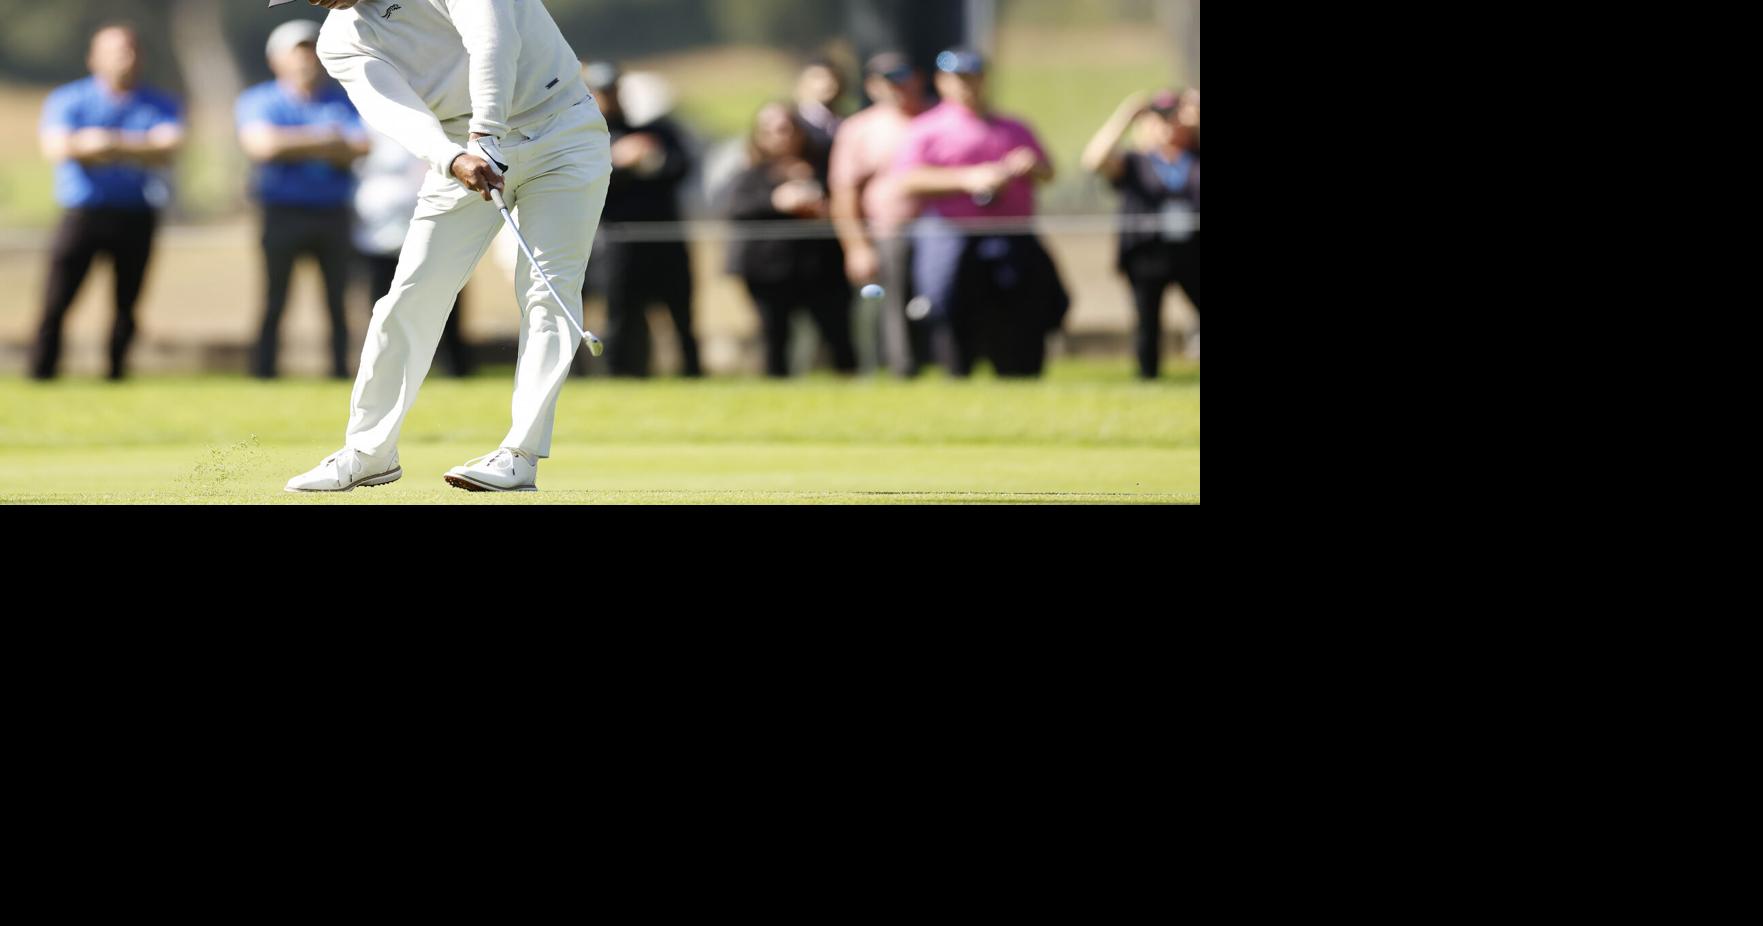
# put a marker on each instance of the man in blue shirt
(304, 135)
(109, 137)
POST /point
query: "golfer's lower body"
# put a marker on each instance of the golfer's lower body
(556, 186)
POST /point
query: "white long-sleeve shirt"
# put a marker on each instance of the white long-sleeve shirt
(429, 72)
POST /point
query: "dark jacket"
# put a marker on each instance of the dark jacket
(1144, 192)
(632, 197)
(809, 261)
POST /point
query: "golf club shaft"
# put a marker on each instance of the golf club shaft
(594, 346)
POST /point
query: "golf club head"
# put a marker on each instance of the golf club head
(595, 348)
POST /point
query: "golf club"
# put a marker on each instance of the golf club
(595, 347)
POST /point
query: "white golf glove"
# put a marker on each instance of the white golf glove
(488, 149)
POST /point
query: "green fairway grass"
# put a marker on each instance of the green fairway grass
(1088, 434)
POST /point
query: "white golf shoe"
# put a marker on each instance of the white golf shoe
(506, 470)
(344, 470)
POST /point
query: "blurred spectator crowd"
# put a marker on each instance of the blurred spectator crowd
(907, 225)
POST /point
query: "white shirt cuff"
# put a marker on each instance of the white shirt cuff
(485, 127)
(441, 158)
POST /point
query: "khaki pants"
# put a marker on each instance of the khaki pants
(556, 186)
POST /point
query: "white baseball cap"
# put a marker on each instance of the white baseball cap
(291, 34)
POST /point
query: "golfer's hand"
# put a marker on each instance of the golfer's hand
(476, 174)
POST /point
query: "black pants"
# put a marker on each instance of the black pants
(124, 234)
(828, 302)
(288, 233)
(380, 271)
(639, 275)
(1151, 270)
(999, 314)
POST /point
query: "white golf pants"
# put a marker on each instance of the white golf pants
(558, 172)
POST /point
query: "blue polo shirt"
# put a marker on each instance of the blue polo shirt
(88, 104)
(312, 184)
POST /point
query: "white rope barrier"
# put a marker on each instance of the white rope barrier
(1176, 225)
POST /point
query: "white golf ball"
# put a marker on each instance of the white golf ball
(873, 291)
